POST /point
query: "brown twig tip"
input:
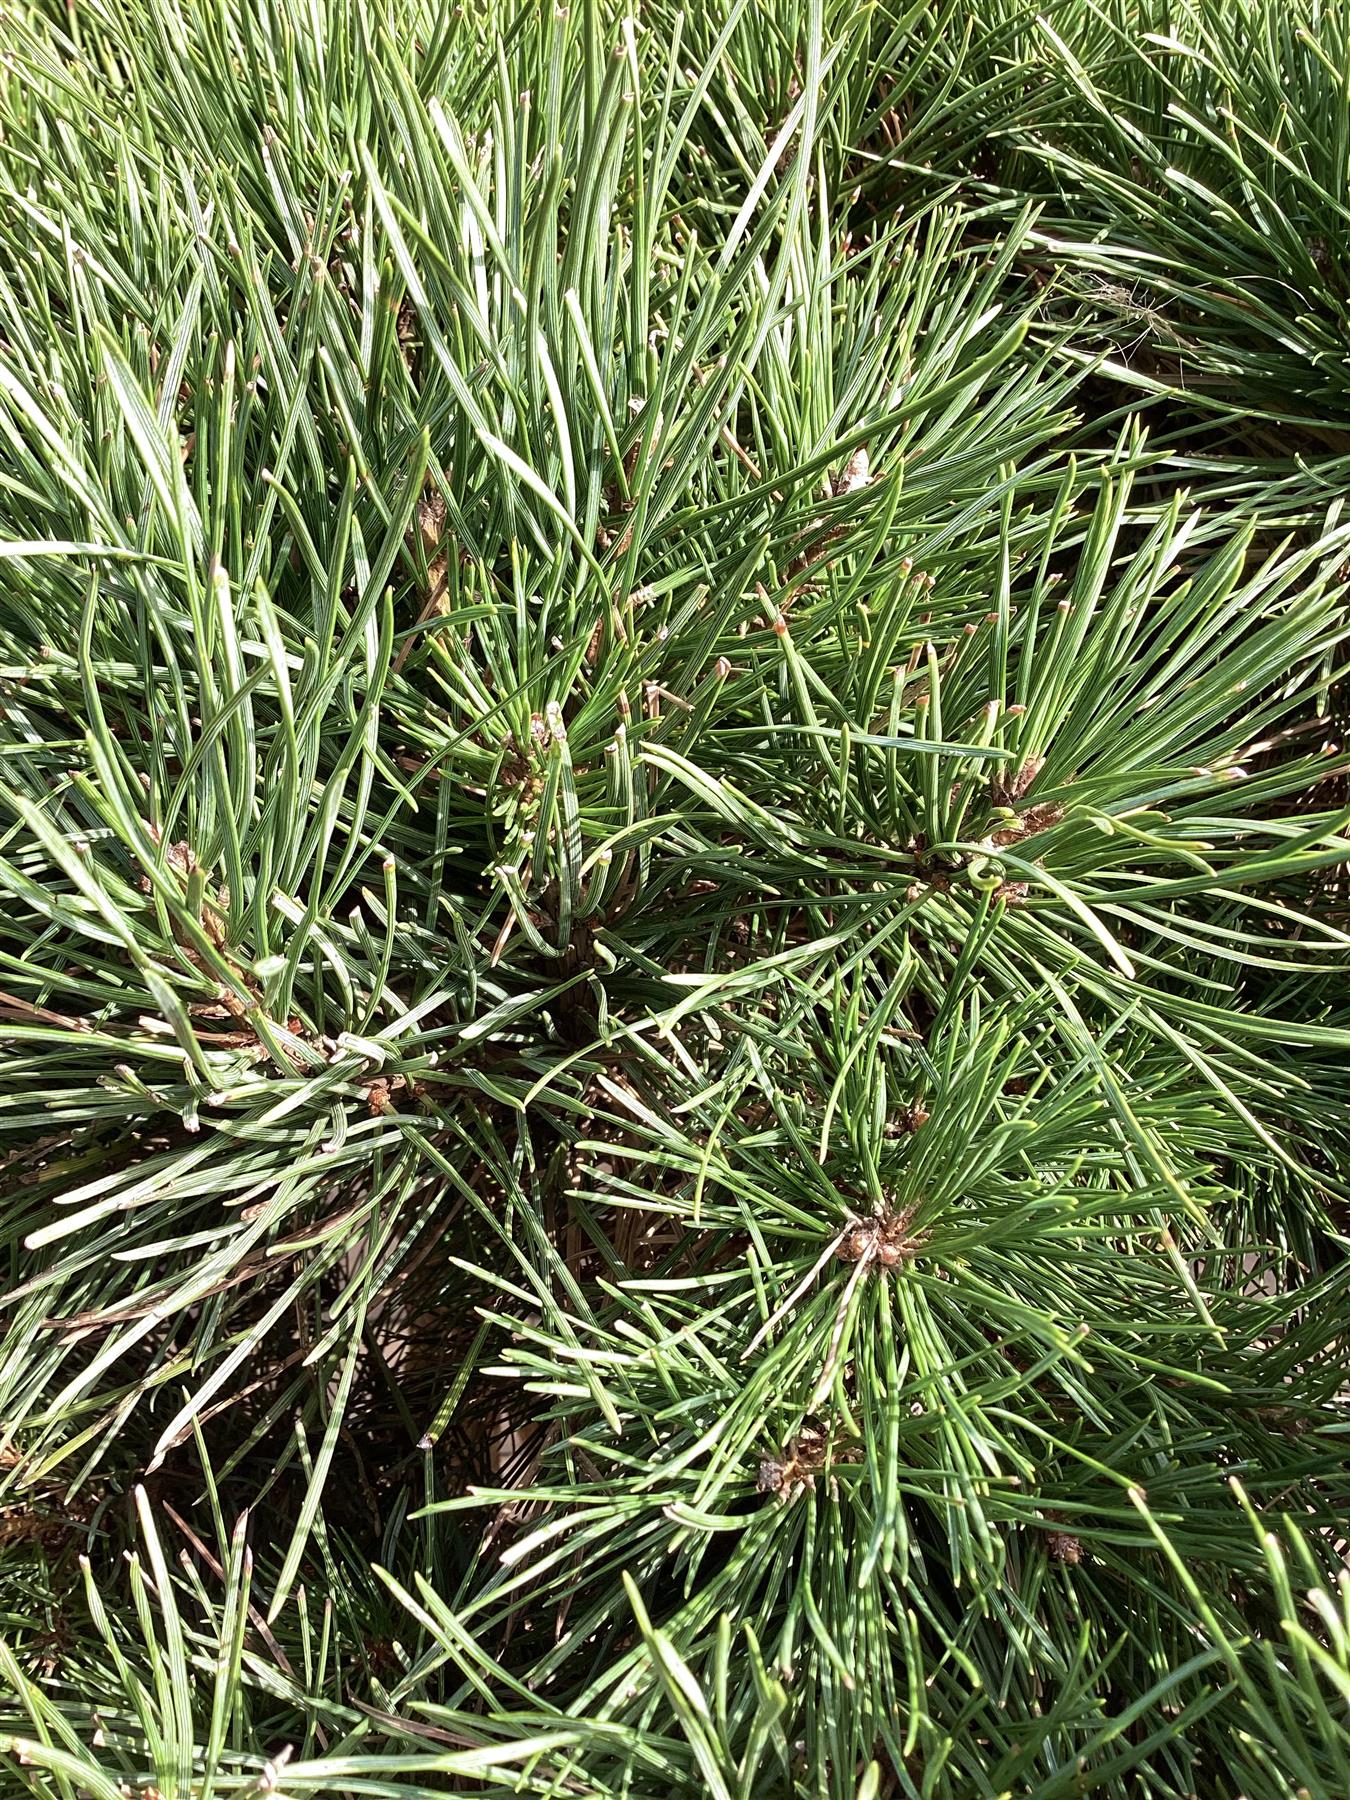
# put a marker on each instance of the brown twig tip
(1064, 1547)
(801, 1460)
(1009, 792)
(885, 1238)
(1011, 893)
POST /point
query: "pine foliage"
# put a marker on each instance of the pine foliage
(673, 922)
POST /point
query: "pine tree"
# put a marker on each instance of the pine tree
(673, 931)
